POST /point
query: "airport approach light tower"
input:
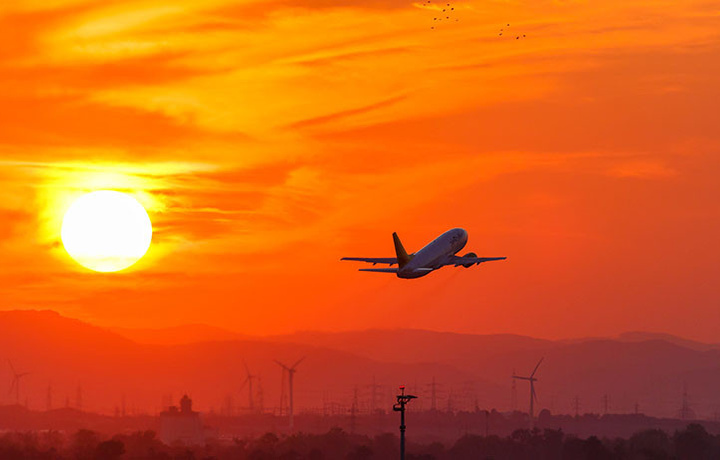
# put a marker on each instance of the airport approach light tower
(402, 400)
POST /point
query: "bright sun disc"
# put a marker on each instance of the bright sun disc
(106, 231)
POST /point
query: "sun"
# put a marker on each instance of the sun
(106, 231)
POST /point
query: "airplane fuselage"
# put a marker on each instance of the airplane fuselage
(434, 255)
(438, 253)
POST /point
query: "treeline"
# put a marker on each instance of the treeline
(691, 443)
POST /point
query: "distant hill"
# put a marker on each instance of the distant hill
(412, 345)
(178, 335)
(636, 336)
(72, 359)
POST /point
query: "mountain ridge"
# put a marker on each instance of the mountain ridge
(67, 356)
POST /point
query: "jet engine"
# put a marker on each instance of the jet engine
(469, 254)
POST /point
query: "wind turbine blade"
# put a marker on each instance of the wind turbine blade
(12, 367)
(281, 364)
(536, 367)
(247, 369)
(12, 385)
(298, 362)
(244, 384)
(534, 395)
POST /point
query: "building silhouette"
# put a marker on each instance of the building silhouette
(181, 425)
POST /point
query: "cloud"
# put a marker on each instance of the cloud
(642, 169)
(345, 114)
(358, 4)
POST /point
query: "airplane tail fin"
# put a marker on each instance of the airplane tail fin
(402, 255)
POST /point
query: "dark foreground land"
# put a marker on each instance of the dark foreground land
(691, 443)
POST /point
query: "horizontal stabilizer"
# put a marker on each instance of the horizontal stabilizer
(379, 270)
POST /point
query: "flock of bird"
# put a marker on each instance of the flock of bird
(517, 37)
(446, 12)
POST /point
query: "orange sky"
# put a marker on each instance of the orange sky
(268, 139)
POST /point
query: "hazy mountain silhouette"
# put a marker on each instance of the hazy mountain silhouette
(178, 335)
(412, 345)
(66, 354)
(637, 336)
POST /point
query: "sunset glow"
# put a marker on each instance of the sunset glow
(268, 139)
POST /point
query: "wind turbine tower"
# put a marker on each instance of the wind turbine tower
(533, 395)
(291, 374)
(15, 385)
(249, 382)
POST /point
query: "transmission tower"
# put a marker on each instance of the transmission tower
(79, 398)
(48, 401)
(354, 411)
(433, 396)
(685, 411)
(576, 406)
(606, 403)
(513, 394)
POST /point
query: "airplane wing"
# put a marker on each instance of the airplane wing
(379, 270)
(374, 260)
(457, 261)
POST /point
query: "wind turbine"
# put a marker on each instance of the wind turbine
(249, 381)
(15, 385)
(532, 380)
(291, 373)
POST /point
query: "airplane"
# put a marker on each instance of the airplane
(438, 253)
